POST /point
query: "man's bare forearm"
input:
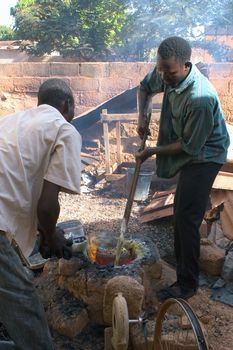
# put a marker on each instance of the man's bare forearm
(144, 102)
(48, 209)
(170, 149)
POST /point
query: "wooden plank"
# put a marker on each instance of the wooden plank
(156, 215)
(159, 194)
(227, 167)
(159, 204)
(223, 181)
(118, 140)
(124, 117)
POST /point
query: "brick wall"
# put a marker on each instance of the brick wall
(221, 76)
(92, 83)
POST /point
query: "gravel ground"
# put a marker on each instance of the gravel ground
(104, 212)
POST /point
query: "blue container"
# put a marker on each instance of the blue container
(143, 184)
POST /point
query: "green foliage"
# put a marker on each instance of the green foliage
(69, 26)
(6, 33)
(154, 20)
(129, 28)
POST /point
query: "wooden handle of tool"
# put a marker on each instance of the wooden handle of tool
(136, 174)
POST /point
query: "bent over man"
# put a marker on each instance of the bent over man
(39, 157)
(193, 141)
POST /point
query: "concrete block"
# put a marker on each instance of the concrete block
(124, 69)
(94, 70)
(67, 69)
(221, 85)
(221, 70)
(108, 338)
(31, 69)
(114, 85)
(211, 259)
(11, 70)
(92, 99)
(6, 84)
(231, 87)
(66, 324)
(69, 267)
(84, 84)
(26, 84)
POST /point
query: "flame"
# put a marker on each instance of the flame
(92, 249)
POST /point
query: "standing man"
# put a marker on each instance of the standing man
(192, 140)
(39, 157)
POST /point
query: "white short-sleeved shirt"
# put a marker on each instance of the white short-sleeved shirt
(35, 144)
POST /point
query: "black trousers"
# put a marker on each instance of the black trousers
(191, 199)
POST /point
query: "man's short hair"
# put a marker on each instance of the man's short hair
(177, 47)
(53, 92)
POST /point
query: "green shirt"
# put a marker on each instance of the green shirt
(191, 113)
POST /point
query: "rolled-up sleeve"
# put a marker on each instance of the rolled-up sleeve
(198, 126)
(65, 163)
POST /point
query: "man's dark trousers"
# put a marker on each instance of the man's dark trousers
(191, 199)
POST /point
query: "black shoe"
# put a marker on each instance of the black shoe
(175, 291)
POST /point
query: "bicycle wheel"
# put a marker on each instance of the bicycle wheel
(177, 328)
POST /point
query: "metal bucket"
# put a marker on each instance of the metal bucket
(74, 231)
(143, 184)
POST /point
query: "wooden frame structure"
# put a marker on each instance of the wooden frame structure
(118, 118)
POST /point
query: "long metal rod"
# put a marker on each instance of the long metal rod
(129, 203)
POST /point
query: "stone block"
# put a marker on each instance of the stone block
(114, 85)
(64, 69)
(92, 99)
(221, 70)
(211, 259)
(69, 267)
(84, 84)
(94, 70)
(153, 271)
(131, 290)
(221, 85)
(66, 324)
(31, 69)
(168, 276)
(6, 84)
(124, 69)
(11, 70)
(231, 87)
(26, 84)
(108, 339)
(86, 287)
